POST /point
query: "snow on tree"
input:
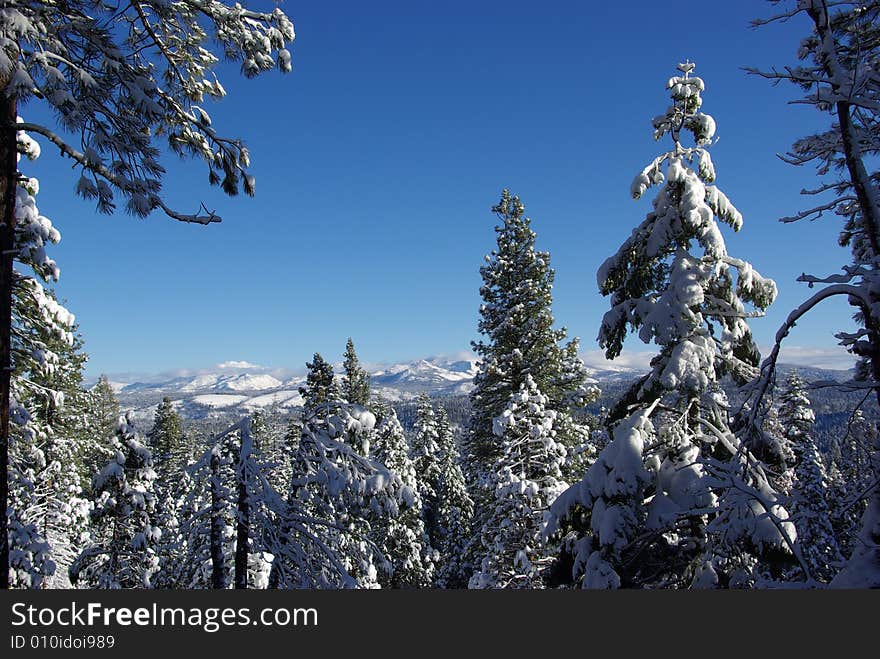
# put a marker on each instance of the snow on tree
(103, 413)
(166, 437)
(123, 535)
(205, 535)
(837, 75)
(355, 380)
(454, 512)
(646, 502)
(123, 78)
(30, 564)
(573, 381)
(177, 507)
(271, 440)
(672, 280)
(40, 494)
(860, 570)
(529, 479)
(105, 410)
(231, 508)
(809, 507)
(850, 478)
(320, 391)
(173, 452)
(49, 450)
(321, 538)
(517, 321)
(520, 341)
(402, 536)
(611, 495)
(426, 460)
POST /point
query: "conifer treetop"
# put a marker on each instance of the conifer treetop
(672, 280)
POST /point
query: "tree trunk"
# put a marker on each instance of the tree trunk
(218, 571)
(8, 184)
(243, 527)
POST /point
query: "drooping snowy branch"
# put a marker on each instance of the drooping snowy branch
(121, 75)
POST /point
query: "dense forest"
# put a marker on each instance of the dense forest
(716, 468)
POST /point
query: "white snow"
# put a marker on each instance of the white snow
(200, 382)
(286, 398)
(248, 382)
(219, 400)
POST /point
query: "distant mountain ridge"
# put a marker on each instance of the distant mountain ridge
(243, 389)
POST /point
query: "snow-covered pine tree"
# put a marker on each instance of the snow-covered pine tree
(103, 414)
(178, 506)
(260, 429)
(796, 411)
(575, 425)
(355, 380)
(233, 512)
(454, 512)
(57, 405)
(206, 531)
(322, 398)
(121, 553)
(122, 78)
(520, 341)
(402, 537)
(39, 493)
(426, 462)
(166, 437)
(104, 408)
(271, 441)
(516, 320)
(173, 451)
(528, 480)
(320, 391)
(647, 497)
(321, 538)
(808, 505)
(850, 478)
(837, 76)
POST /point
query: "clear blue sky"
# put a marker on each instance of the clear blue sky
(378, 159)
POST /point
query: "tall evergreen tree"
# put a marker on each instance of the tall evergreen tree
(103, 412)
(402, 537)
(519, 342)
(105, 409)
(322, 537)
(47, 451)
(320, 389)
(809, 505)
(454, 512)
(426, 461)
(167, 439)
(516, 320)
(673, 282)
(122, 552)
(355, 380)
(36, 335)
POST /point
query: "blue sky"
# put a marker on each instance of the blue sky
(377, 161)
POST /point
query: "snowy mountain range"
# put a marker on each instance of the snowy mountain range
(242, 387)
(235, 388)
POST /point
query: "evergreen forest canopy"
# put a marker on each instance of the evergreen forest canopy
(675, 484)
